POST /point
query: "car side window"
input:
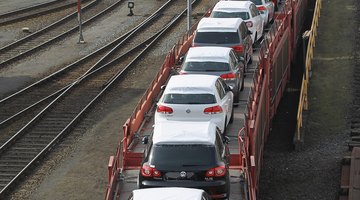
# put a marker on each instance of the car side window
(253, 13)
(243, 30)
(234, 57)
(220, 89)
(219, 143)
(233, 60)
(223, 84)
(255, 10)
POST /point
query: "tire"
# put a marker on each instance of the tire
(232, 116)
(250, 60)
(242, 83)
(139, 186)
(236, 97)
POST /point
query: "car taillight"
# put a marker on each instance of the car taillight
(213, 110)
(261, 8)
(148, 171)
(164, 109)
(249, 24)
(238, 49)
(219, 171)
(229, 76)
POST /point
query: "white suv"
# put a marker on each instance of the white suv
(245, 10)
(228, 32)
(196, 97)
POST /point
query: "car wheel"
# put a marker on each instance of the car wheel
(138, 182)
(250, 60)
(228, 188)
(236, 97)
(232, 115)
(242, 83)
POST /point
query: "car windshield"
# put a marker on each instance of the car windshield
(257, 2)
(217, 37)
(183, 155)
(173, 98)
(242, 15)
(205, 66)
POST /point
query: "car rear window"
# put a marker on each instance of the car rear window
(217, 37)
(242, 15)
(205, 66)
(257, 2)
(173, 98)
(183, 155)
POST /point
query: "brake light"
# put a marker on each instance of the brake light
(213, 110)
(164, 109)
(219, 171)
(238, 49)
(148, 171)
(261, 8)
(249, 24)
(229, 76)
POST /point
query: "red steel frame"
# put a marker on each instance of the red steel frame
(269, 84)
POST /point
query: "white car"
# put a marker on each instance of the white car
(196, 97)
(245, 10)
(266, 8)
(173, 193)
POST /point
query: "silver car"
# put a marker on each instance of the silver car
(219, 61)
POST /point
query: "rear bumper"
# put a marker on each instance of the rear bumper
(213, 188)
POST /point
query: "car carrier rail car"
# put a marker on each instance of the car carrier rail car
(264, 86)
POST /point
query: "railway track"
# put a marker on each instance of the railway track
(38, 93)
(36, 10)
(350, 178)
(66, 107)
(349, 183)
(54, 32)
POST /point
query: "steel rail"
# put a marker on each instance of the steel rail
(118, 42)
(34, 34)
(85, 75)
(21, 10)
(48, 40)
(59, 135)
(34, 11)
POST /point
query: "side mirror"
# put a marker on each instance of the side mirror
(226, 139)
(181, 60)
(241, 59)
(145, 139)
(229, 88)
(163, 87)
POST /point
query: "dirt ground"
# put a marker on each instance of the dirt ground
(314, 172)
